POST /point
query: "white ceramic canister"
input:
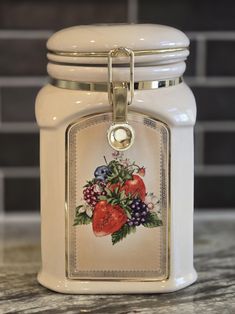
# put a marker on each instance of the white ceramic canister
(116, 158)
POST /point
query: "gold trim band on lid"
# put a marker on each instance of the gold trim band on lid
(101, 54)
(103, 86)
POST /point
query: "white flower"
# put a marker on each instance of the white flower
(86, 209)
(125, 162)
(152, 201)
(97, 188)
(117, 155)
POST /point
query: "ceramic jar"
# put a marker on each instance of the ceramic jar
(116, 159)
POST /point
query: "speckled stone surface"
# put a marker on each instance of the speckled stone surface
(214, 292)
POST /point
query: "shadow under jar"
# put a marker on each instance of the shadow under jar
(116, 140)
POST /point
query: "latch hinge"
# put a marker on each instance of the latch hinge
(120, 134)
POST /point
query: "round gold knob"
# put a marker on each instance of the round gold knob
(121, 136)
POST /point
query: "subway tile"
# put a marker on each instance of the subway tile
(215, 103)
(198, 147)
(23, 57)
(52, 14)
(189, 15)
(19, 149)
(21, 194)
(220, 58)
(18, 104)
(214, 192)
(191, 61)
(219, 148)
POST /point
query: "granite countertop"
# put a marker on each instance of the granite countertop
(214, 292)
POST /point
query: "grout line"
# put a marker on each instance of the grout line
(212, 35)
(15, 81)
(214, 170)
(199, 214)
(20, 172)
(216, 81)
(199, 147)
(132, 15)
(132, 18)
(201, 56)
(215, 126)
(25, 34)
(19, 127)
(22, 217)
(212, 214)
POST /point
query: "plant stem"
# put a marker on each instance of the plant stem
(105, 160)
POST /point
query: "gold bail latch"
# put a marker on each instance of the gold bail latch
(120, 134)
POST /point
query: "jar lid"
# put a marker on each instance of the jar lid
(151, 44)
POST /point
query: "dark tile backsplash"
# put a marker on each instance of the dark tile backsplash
(189, 15)
(215, 103)
(18, 104)
(23, 57)
(214, 192)
(19, 149)
(191, 61)
(21, 194)
(220, 60)
(219, 148)
(52, 14)
(24, 28)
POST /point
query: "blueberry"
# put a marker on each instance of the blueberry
(137, 214)
(101, 173)
(142, 220)
(100, 178)
(144, 213)
(137, 223)
(130, 223)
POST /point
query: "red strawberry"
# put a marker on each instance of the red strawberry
(107, 218)
(134, 186)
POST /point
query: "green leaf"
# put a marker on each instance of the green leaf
(109, 192)
(102, 198)
(89, 182)
(152, 220)
(82, 219)
(116, 190)
(127, 212)
(122, 233)
(122, 195)
(77, 209)
(118, 172)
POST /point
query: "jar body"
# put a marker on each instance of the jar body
(56, 110)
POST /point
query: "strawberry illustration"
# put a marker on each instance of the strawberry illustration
(107, 218)
(115, 201)
(134, 186)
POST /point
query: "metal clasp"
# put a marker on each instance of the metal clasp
(120, 133)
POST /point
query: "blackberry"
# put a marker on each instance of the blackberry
(90, 195)
(139, 212)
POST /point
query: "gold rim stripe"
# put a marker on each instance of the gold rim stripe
(103, 86)
(102, 54)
